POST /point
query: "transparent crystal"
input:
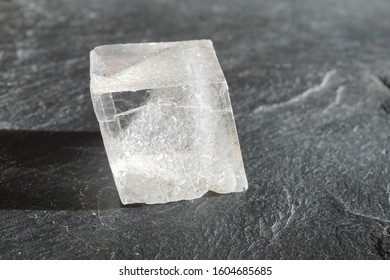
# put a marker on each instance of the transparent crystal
(166, 120)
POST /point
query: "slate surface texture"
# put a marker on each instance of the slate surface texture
(310, 88)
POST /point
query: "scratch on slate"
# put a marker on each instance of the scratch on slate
(347, 210)
(339, 93)
(325, 83)
(280, 225)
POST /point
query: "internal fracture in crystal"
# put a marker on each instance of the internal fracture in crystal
(166, 120)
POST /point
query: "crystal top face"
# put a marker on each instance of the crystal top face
(126, 67)
(166, 120)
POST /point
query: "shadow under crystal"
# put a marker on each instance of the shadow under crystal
(55, 171)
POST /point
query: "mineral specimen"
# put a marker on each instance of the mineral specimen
(166, 120)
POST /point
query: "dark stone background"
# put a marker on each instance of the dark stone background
(310, 87)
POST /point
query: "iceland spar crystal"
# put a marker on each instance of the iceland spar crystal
(166, 120)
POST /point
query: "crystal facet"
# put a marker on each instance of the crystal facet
(166, 120)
